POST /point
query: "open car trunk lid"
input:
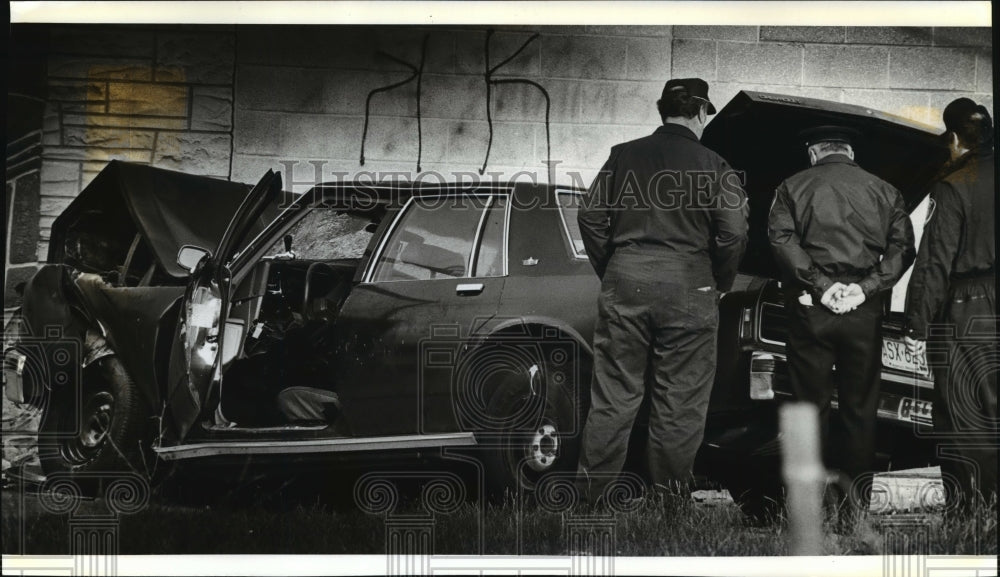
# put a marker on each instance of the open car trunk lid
(168, 209)
(758, 132)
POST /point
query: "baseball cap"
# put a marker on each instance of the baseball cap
(694, 87)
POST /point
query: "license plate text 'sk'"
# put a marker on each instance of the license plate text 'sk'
(895, 355)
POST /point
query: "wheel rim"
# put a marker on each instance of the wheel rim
(542, 449)
(94, 426)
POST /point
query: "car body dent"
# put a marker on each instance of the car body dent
(132, 318)
(81, 304)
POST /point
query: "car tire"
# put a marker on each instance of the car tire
(102, 432)
(547, 442)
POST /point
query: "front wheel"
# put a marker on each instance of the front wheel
(100, 432)
(542, 437)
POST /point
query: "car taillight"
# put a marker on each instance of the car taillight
(773, 323)
(762, 371)
(746, 324)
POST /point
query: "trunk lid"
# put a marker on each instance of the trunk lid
(757, 132)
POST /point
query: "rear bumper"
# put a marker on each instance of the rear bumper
(769, 380)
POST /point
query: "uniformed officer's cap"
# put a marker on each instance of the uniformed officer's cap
(960, 111)
(829, 133)
(695, 87)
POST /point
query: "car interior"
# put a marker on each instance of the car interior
(285, 311)
(279, 344)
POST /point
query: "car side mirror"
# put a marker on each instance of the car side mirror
(189, 256)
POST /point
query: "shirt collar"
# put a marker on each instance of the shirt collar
(953, 165)
(677, 130)
(836, 158)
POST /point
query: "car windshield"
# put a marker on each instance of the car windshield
(326, 234)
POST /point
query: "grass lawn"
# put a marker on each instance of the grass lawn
(651, 529)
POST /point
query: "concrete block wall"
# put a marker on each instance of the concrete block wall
(305, 103)
(302, 106)
(154, 95)
(910, 72)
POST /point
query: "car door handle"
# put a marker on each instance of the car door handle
(469, 289)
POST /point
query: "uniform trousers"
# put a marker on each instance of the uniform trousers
(963, 353)
(654, 328)
(818, 340)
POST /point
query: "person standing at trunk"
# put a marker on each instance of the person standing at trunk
(954, 286)
(842, 238)
(665, 226)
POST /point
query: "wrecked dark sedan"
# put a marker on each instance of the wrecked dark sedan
(182, 318)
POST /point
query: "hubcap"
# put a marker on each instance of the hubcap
(95, 424)
(543, 448)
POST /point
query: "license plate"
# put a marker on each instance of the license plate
(915, 410)
(895, 356)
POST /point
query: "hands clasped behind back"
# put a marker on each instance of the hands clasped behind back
(841, 298)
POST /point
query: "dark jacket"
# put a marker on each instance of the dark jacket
(835, 222)
(669, 194)
(958, 241)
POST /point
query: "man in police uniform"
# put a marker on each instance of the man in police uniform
(954, 285)
(842, 238)
(664, 226)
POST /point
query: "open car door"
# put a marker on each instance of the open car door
(195, 359)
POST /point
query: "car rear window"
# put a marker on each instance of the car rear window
(569, 205)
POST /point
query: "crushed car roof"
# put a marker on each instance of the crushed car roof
(169, 208)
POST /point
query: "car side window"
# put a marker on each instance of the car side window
(437, 237)
(433, 240)
(492, 244)
(569, 206)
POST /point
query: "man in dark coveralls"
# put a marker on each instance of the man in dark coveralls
(664, 226)
(954, 287)
(842, 238)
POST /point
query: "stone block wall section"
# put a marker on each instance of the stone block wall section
(21, 212)
(154, 95)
